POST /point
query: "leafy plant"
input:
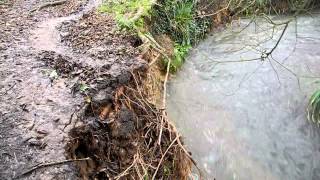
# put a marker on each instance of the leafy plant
(178, 19)
(83, 87)
(180, 52)
(313, 109)
(128, 13)
(53, 74)
(249, 7)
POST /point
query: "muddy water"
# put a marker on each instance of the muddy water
(47, 36)
(246, 119)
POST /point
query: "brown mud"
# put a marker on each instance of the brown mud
(34, 109)
(125, 135)
(72, 87)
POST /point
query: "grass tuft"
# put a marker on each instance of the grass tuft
(313, 109)
(129, 14)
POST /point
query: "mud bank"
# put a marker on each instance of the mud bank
(124, 134)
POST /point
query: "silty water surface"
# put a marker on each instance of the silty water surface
(246, 119)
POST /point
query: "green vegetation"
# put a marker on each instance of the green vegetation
(177, 19)
(83, 87)
(3, 1)
(128, 13)
(180, 52)
(180, 19)
(248, 7)
(314, 108)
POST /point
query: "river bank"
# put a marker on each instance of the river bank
(74, 88)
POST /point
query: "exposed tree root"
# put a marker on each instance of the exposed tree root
(127, 143)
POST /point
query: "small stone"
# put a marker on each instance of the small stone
(42, 131)
(34, 142)
(56, 120)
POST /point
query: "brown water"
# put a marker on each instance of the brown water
(247, 119)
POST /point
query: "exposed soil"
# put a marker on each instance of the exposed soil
(36, 108)
(120, 129)
(76, 93)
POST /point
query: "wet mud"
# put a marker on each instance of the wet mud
(34, 109)
(72, 87)
(119, 128)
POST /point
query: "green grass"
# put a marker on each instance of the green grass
(314, 108)
(175, 18)
(249, 7)
(178, 19)
(129, 14)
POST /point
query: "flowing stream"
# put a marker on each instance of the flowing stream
(246, 119)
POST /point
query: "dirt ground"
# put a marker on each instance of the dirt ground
(37, 104)
(33, 109)
(72, 87)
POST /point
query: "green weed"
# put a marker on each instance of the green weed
(128, 13)
(180, 52)
(53, 74)
(314, 108)
(250, 7)
(178, 20)
(83, 87)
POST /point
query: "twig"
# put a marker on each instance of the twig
(165, 85)
(215, 13)
(125, 171)
(154, 60)
(281, 36)
(54, 3)
(6, 91)
(164, 154)
(164, 100)
(70, 120)
(42, 165)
